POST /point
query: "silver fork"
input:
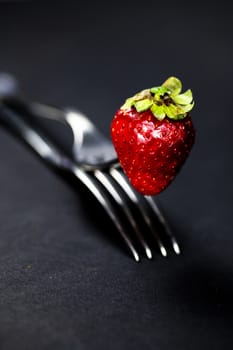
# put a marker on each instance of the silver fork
(95, 164)
(95, 154)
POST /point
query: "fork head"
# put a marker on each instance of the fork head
(91, 149)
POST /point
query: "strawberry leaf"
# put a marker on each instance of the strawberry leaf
(171, 111)
(179, 116)
(128, 103)
(158, 111)
(142, 95)
(186, 109)
(183, 99)
(173, 85)
(161, 90)
(143, 105)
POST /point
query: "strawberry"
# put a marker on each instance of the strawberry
(153, 135)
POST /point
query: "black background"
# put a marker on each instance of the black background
(64, 284)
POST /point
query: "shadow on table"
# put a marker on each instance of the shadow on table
(206, 289)
(93, 212)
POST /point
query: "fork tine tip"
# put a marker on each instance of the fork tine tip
(149, 253)
(136, 256)
(176, 247)
(163, 251)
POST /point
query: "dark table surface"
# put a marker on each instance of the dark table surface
(64, 283)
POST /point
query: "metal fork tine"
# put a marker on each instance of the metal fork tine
(121, 180)
(164, 223)
(87, 180)
(104, 180)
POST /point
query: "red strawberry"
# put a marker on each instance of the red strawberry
(153, 135)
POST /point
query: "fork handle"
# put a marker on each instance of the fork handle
(34, 137)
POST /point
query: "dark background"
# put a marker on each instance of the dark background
(63, 283)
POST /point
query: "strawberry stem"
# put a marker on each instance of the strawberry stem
(163, 101)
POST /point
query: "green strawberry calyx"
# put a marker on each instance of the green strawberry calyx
(163, 101)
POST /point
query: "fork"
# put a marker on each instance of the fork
(95, 168)
(95, 153)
